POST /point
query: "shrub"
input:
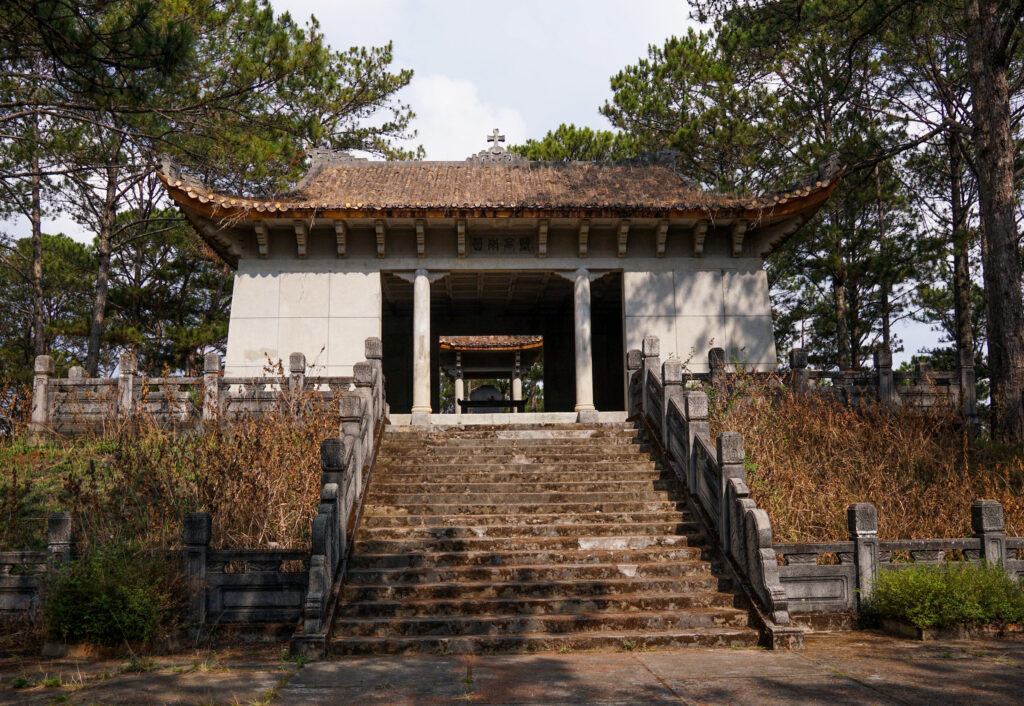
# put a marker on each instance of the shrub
(113, 595)
(930, 596)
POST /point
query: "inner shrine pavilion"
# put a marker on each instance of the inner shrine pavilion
(586, 257)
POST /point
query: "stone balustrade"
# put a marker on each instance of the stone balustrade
(22, 573)
(676, 418)
(78, 403)
(838, 577)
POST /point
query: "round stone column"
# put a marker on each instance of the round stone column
(584, 343)
(421, 343)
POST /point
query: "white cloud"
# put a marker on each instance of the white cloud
(453, 122)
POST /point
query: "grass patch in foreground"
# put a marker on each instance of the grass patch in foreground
(948, 595)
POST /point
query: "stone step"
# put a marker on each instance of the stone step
(536, 642)
(517, 557)
(512, 458)
(469, 508)
(479, 544)
(504, 431)
(385, 486)
(499, 474)
(474, 442)
(537, 572)
(622, 518)
(554, 624)
(538, 606)
(527, 530)
(520, 498)
(550, 590)
(412, 467)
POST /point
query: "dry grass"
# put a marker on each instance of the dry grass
(808, 459)
(259, 476)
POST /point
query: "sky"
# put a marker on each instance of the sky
(522, 67)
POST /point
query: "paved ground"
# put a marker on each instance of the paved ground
(856, 668)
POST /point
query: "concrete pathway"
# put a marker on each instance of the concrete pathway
(855, 668)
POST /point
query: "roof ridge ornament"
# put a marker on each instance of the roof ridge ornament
(172, 171)
(324, 157)
(496, 154)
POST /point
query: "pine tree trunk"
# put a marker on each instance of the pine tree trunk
(993, 139)
(38, 317)
(103, 251)
(842, 315)
(961, 253)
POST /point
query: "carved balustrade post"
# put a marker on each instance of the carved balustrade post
(126, 384)
(716, 364)
(634, 384)
(41, 396)
(374, 350)
(672, 387)
(883, 371)
(729, 450)
(968, 389)
(296, 375)
(862, 522)
(798, 371)
(198, 529)
(988, 526)
(351, 410)
(211, 385)
(695, 406)
(60, 539)
(651, 365)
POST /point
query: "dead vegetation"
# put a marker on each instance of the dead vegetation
(258, 475)
(808, 458)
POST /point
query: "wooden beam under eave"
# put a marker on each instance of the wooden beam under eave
(542, 239)
(341, 235)
(381, 229)
(460, 233)
(421, 246)
(623, 236)
(662, 238)
(700, 232)
(738, 229)
(301, 238)
(262, 238)
(584, 237)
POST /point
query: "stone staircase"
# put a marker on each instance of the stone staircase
(529, 538)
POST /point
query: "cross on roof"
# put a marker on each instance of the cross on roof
(496, 137)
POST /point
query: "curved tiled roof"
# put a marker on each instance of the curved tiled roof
(357, 186)
(490, 343)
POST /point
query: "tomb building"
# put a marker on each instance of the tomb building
(589, 257)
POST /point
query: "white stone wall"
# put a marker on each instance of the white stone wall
(694, 310)
(282, 307)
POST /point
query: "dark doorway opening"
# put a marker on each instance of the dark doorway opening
(468, 303)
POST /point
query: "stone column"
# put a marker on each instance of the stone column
(460, 386)
(41, 395)
(584, 342)
(517, 383)
(421, 348)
